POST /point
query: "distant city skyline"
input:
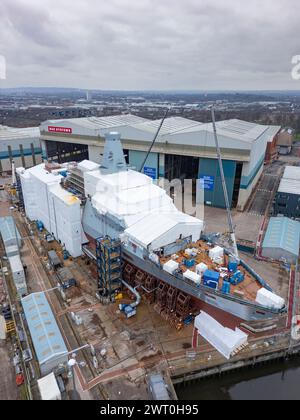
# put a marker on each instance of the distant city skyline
(133, 45)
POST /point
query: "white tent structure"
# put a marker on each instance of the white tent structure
(270, 300)
(131, 200)
(224, 340)
(158, 229)
(48, 388)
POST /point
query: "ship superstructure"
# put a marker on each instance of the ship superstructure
(162, 249)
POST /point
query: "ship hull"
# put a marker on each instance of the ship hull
(244, 310)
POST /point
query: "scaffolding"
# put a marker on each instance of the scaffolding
(20, 193)
(108, 254)
(76, 180)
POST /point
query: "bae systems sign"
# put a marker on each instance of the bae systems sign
(60, 130)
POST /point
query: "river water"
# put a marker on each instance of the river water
(278, 381)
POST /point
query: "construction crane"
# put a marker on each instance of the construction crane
(155, 138)
(228, 208)
(13, 172)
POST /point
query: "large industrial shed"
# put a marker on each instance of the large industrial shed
(185, 149)
(282, 240)
(287, 200)
(21, 145)
(48, 343)
(10, 236)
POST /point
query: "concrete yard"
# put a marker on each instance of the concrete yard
(262, 197)
(247, 225)
(8, 388)
(128, 350)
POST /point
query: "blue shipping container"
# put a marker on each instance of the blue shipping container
(211, 275)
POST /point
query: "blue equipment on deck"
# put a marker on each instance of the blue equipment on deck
(233, 266)
(237, 278)
(40, 225)
(226, 287)
(189, 263)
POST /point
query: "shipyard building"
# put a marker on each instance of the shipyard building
(287, 200)
(47, 339)
(185, 149)
(285, 141)
(21, 145)
(282, 240)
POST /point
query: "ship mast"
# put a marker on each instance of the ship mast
(228, 208)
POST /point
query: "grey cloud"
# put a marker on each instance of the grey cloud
(150, 44)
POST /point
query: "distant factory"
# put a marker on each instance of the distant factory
(185, 149)
(21, 145)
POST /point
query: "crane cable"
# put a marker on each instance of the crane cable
(155, 138)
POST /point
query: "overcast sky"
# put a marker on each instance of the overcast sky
(150, 44)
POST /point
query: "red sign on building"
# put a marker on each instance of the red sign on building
(64, 130)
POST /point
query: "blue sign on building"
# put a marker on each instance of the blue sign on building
(151, 172)
(207, 182)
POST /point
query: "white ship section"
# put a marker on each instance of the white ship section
(59, 210)
(130, 202)
(125, 203)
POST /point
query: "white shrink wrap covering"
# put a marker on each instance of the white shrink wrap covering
(269, 299)
(171, 266)
(48, 388)
(216, 253)
(194, 277)
(201, 268)
(58, 209)
(224, 340)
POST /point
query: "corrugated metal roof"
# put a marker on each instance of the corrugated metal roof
(46, 336)
(171, 125)
(234, 128)
(283, 233)
(289, 186)
(8, 230)
(238, 130)
(98, 123)
(16, 263)
(273, 130)
(292, 172)
(10, 133)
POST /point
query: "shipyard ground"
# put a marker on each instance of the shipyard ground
(141, 345)
(8, 387)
